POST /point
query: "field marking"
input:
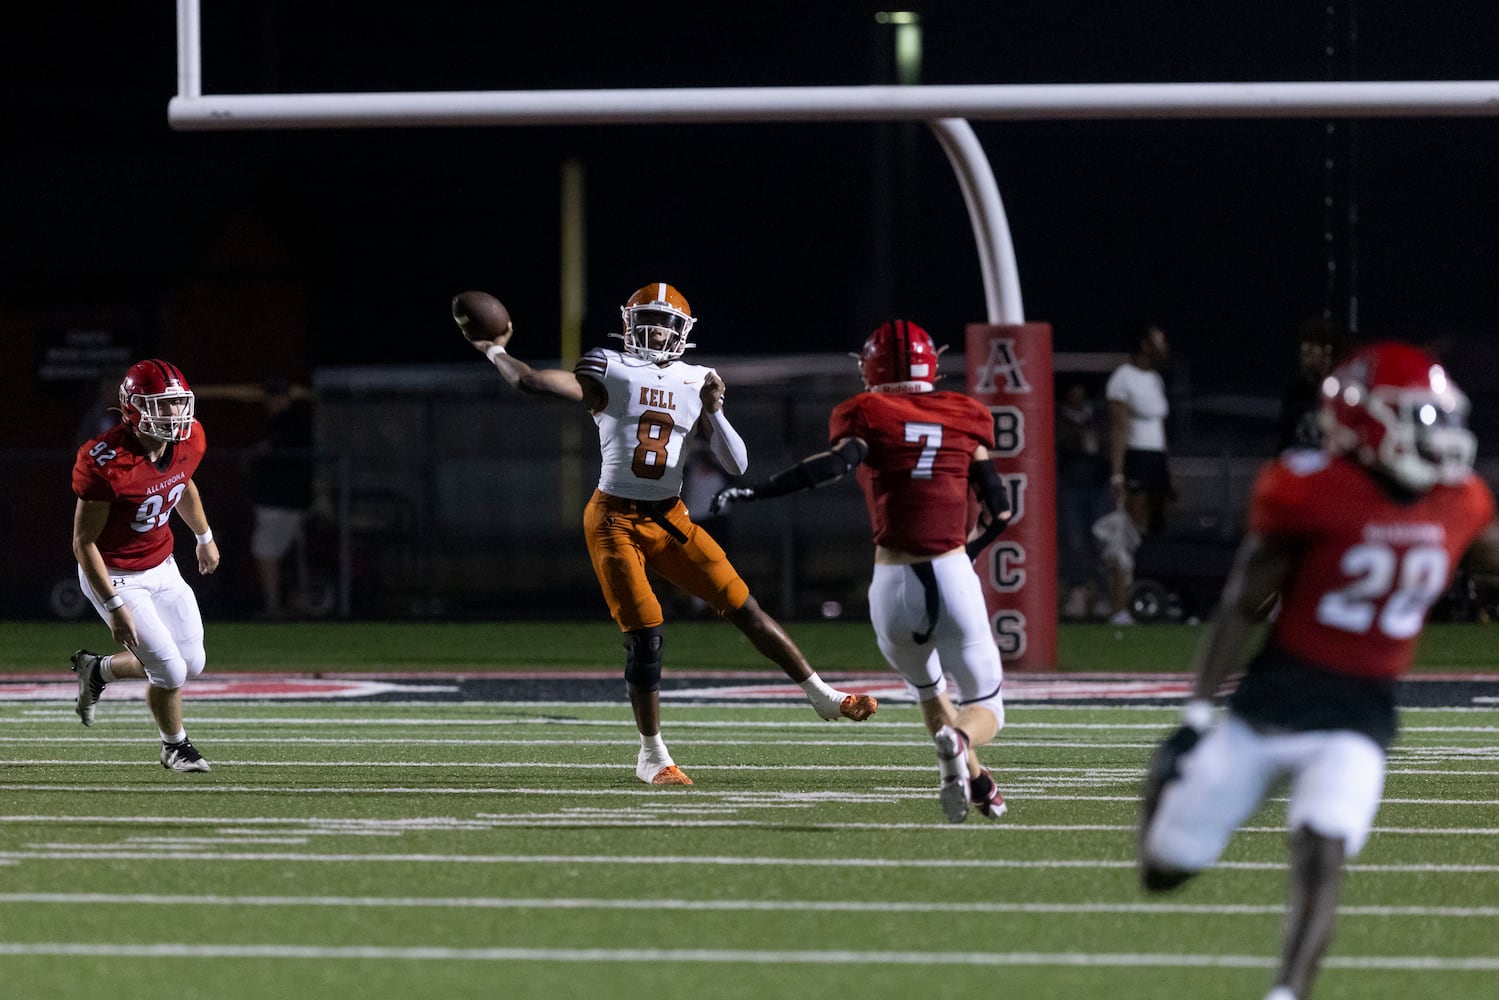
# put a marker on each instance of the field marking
(361, 826)
(732, 905)
(624, 722)
(724, 955)
(851, 743)
(199, 788)
(94, 852)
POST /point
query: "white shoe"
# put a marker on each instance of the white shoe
(952, 768)
(1121, 618)
(1077, 603)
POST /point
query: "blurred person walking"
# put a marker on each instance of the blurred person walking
(281, 491)
(1322, 346)
(1083, 496)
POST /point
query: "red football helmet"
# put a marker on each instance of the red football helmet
(156, 401)
(658, 312)
(1393, 408)
(898, 357)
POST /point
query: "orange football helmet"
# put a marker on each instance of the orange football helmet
(657, 319)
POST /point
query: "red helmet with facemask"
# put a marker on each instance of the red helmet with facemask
(1393, 408)
(156, 401)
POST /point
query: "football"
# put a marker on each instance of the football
(480, 315)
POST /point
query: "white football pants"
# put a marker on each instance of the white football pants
(960, 645)
(1336, 780)
(167, 621)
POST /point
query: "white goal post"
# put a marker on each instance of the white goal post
(946, 109)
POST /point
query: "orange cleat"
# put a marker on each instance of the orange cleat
(671, 774)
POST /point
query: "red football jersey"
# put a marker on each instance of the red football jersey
(141, 494)
(1370, 567)
(915, 478)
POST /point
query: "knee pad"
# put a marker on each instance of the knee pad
(195, 658)
(168, 673)
(643, 658)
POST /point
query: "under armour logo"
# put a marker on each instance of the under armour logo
(117, 581)
(1002, 371)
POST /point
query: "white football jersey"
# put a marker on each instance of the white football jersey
(644, 426)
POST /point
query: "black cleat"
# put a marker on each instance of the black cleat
(182, 757)
(90, 687)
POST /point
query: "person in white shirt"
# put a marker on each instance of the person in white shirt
(1140, 476)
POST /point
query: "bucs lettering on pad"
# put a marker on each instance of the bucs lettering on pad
(142, 494)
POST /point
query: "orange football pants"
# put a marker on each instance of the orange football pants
(623, 540)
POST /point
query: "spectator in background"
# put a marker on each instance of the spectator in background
(280, 489)
(102, 411)
(1140, 477)
(1324, 344)
(1082, 496)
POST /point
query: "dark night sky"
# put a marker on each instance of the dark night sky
(784, 237)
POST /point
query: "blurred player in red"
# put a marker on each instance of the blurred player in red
(128, 481)
(1357, 541)
(646, 401)
(918, 453)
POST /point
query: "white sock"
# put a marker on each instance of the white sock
(181, 735)
(105, 674)
(817, 689)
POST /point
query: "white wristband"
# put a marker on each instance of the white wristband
(205, 538)
(1198, 714)
(494, 351)
(114, 603)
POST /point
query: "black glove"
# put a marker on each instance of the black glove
(991, 531)
(724, 497)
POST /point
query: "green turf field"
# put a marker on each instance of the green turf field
(502, 850)
(831, 646)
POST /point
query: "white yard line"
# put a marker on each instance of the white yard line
(95, 949)
(93, 852)
(205, 786)
(360, 826)
(730, 905)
